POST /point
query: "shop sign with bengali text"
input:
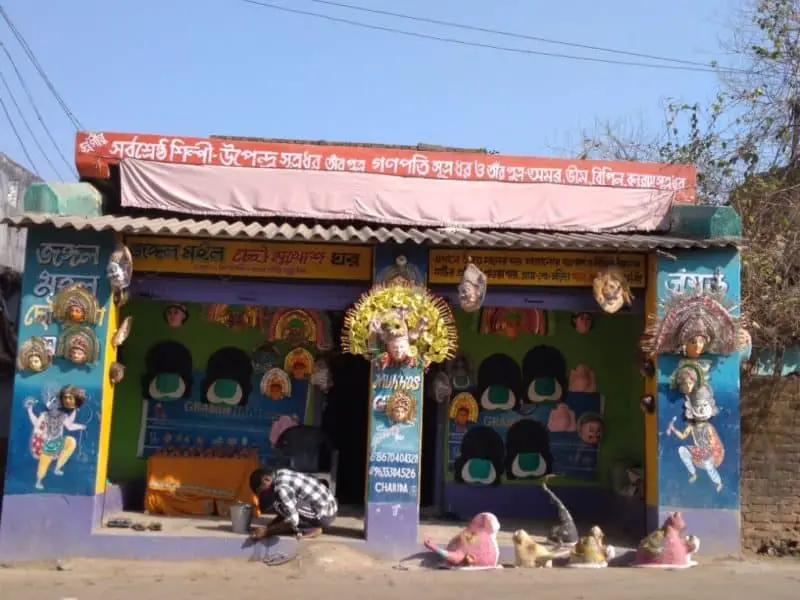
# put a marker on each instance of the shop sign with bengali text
(232, 258)
(534, 268)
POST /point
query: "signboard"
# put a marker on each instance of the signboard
(533, 268)
(395, 436)
(231, 258)
(94, 151)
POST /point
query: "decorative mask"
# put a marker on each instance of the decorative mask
(299, 363)
(582, 379)
(611, 290)
(591, 428)
(442, 387)
(400, 324)
(121, 334)
(120, 272)
(33, 356)
(264, 357)
(300, 327)
(582, 322)
(116, 373)
(236, 317)
(692, 324)
(276, 385)
(176, 315)
(75, 304)
(321, 375)
(689, 376)
(461, 371)
(648, 404)
(401, 407)
(463, 409)
(402, 272)
(78, 345)
(700, 405)
(472, 288)
(71, 398)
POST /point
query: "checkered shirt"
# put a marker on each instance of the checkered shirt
(302, 495)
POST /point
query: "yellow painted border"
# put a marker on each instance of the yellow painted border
(651, 388)
(107, 400)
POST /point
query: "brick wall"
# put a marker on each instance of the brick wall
(770, 460)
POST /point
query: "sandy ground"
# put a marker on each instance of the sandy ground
(328, 571)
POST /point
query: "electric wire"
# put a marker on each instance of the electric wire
(21, 39)
(509, 34)
(39, 117)
(19, 138)
(484, 45)
(28, 125)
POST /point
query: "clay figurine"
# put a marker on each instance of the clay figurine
(530, 554)
(121, 334)
(33, 356)
(590, 552)
(475, 547)
(667, 547)
(472, 288)
(116, 373)
(611, 290)
(75, 304)
(565, 532)
(120, 272)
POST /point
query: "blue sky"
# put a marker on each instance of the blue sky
(200, 67)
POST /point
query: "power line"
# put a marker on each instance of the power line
(483, 45)
(39, 116)
(509, 34)
(19, 138)
(28, 125)
(21, 39)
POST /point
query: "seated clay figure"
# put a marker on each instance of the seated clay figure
(667, 547)
(476, 545)
(590, 552)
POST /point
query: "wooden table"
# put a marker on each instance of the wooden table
(178, 485)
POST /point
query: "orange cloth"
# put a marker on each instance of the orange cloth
(178, 485)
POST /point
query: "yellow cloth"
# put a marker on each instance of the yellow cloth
(178, 485)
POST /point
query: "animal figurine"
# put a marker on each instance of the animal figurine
(590, 552)
(528, 553)
(565, 532)
(667, 547)
(474, 547)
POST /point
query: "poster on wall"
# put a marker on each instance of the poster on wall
(57, 394)
(395, 430)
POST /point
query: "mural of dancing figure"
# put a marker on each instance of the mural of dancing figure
(49, 441)
(706, 451)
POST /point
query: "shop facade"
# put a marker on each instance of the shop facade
(542, 380)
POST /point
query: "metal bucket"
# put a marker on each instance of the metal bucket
(241, 518)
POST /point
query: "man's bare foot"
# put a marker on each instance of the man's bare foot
(310, 534)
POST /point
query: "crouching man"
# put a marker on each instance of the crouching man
(303, 505)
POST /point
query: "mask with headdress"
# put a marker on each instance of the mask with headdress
(472, 288)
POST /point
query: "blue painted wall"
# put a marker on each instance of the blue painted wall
(674, 488)
(52, 262)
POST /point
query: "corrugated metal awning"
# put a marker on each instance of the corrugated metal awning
(282, 231)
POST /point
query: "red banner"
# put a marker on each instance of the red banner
(95, 151)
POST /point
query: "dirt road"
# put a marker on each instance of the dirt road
(357, 577)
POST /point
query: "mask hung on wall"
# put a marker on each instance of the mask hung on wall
(116, 373)
(300, 328)
(76, 305)
(400, 324)
(591, 428)
(582, 322)
(299, 363)
(544, 372)
(276, 385)
(236, 317)
(528, 453)
(228, 378)
(168, 372)
(120, 273)
(264, 357)
(78, 345)
(690, 375)
(472, 288)
(121, 334)
(461, 371)
(693, 323)
(499, 381)
(463, 410)
(402, 272)
(321, 375)
(611, 290)
(480, 461)
(582, 379)
(511, 322)
(176, 315)
(33, 356)
(442, 387)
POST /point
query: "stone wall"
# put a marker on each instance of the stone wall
(770, 494)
